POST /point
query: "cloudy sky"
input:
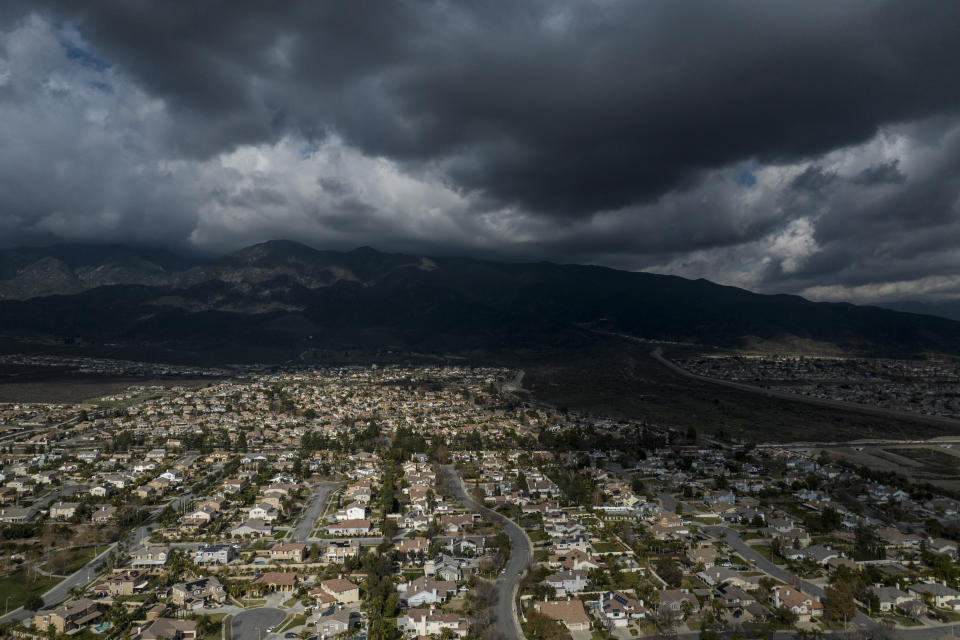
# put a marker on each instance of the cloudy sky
(806, 147)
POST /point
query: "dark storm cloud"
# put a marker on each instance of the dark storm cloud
(883, 173)
(813, 178)
(555, 107)
(775, 145)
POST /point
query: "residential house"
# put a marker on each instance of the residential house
(353, 511)
(939, 595)
(167, 629)
(214, 554)
(568, 582)
(891, 598)
(338, 551)
(124, 583)
(618, 609)
(103, 515)
(426, 622)
(278, 581)
(426, 591)
(344, 591)
(804, 606)
(264, 512)
(63, 510)
(252, 527)
(332, 624)
(197, 593)
(413, 545)
(672, 600)
(568, 612)
(350, 527)
(288, 551)
(150, 556)
(75, 614)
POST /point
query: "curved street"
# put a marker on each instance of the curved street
(860, 621)
(503, 614)
(733, 539)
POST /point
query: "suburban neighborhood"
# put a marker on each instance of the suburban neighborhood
(433, 502)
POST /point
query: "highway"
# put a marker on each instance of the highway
(503, 614)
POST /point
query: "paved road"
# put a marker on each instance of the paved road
(252, 624)
(668, 501)
(733, 539)
(313, 511)
(503, 613)
(90, 570)
(940, 421)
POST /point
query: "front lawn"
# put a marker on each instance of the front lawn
(253, 603)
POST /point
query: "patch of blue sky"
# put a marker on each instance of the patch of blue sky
(745, 178)
(83, 57)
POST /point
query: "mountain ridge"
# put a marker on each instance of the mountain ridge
(287, 293)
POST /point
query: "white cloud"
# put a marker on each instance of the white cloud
(928, 288)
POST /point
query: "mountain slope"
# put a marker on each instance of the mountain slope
(287, 294)
(949, 309)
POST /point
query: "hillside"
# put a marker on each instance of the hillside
(292, 297)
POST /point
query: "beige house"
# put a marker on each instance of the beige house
(570, 612)
(75, 614)
(63, 510)
(167, 629)
(343, 590)
(798, 602)
(289, 551)
(278, 581)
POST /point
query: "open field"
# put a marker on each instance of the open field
(18, 587)
(69, 389)
(931, 460)
(71, 560)
(918, 462)
(620, 378)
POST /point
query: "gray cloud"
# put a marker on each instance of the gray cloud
(777, 146)
(883, 173)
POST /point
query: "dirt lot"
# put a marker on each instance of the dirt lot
(619, 378)
(920, 463)
(75, 389)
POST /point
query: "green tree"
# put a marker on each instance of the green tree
(839, 604)
(33, 602)
(669, 571)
